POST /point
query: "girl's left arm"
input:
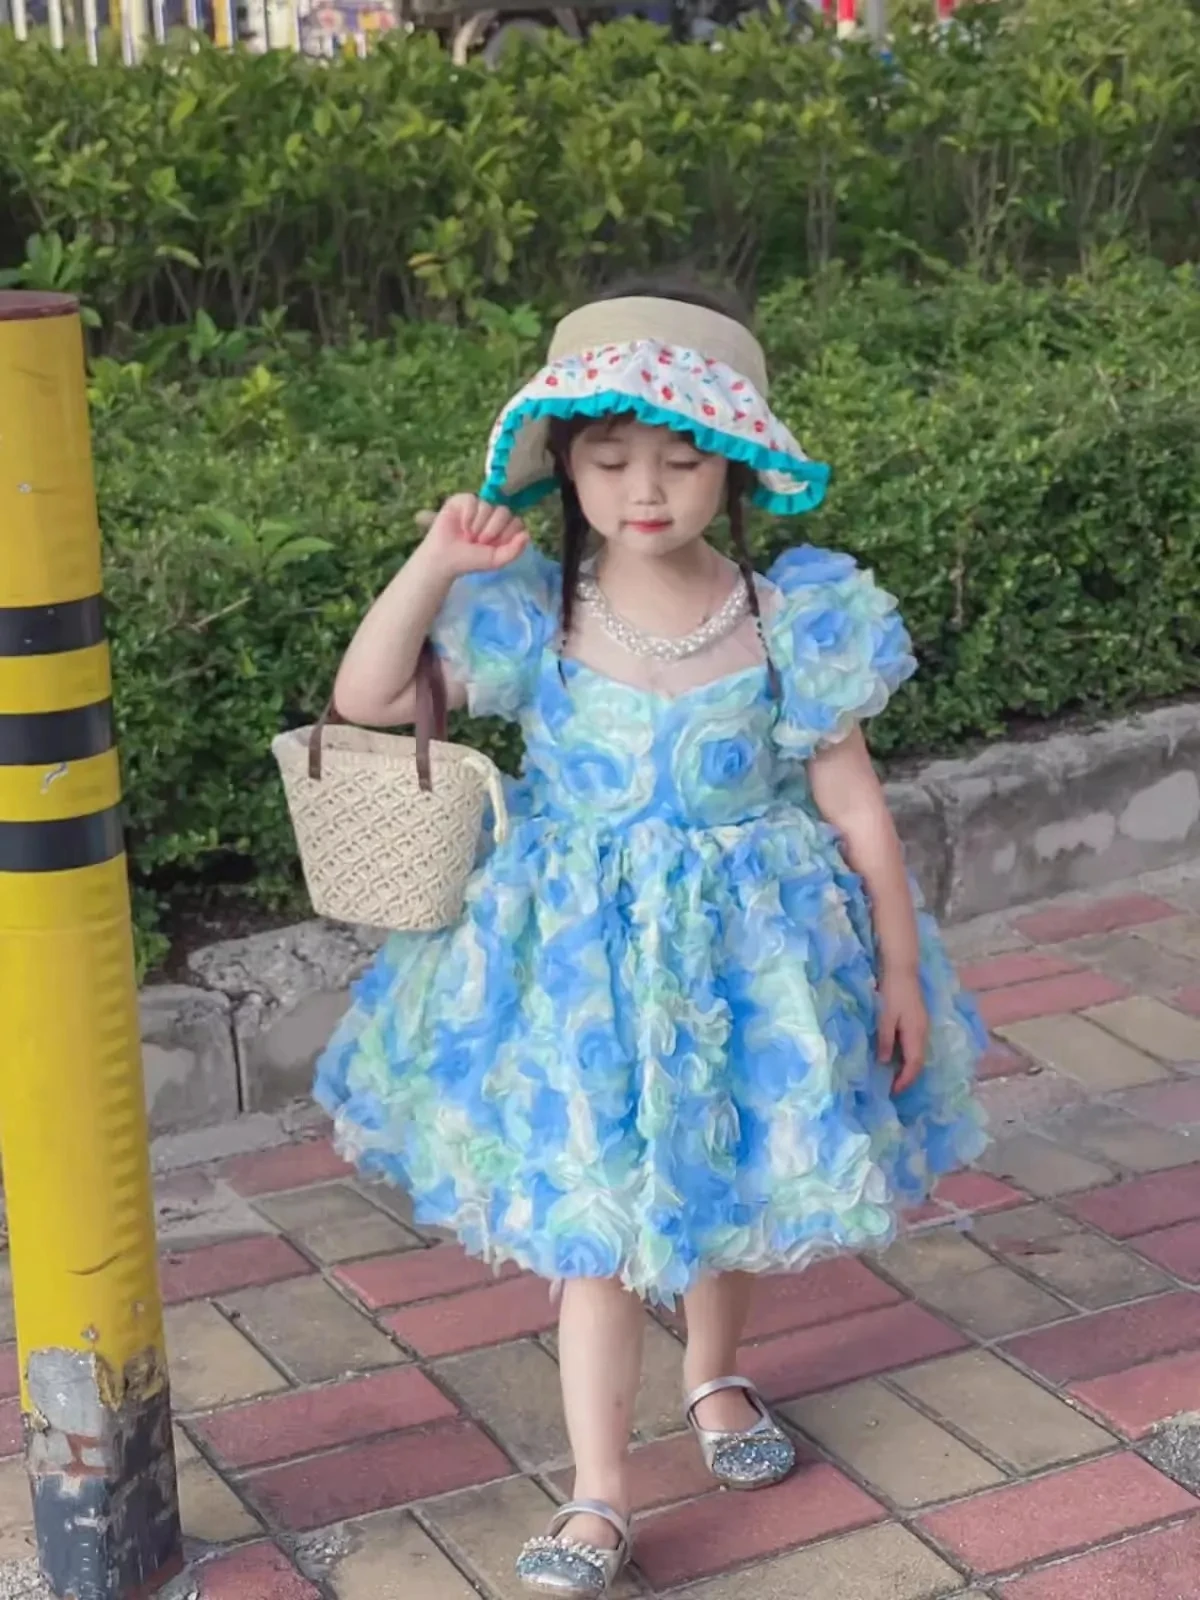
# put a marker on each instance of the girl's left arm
(850, 797)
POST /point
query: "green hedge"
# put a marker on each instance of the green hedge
(1021, 465)
(1033, 134)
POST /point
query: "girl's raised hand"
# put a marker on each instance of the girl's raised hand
(469, 535)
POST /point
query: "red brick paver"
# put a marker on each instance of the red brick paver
(976, 1191)
(839, 1352)
(391, 1471)
(1060, 923)
(416, 1275)
(722, 1530)
(290, 1166)
(1018, 966)
(1167, 1105)
(232, 1264)
(320, 1419)
(1177, 1249)
(259, 1572)
(1154, 1566)
(1046, 997)
(1137, 1399)
(1002, 1061)
(1008, 1528)
(510, 1310)
(1089, 1347)
(827, 1292)
(1157, 1201)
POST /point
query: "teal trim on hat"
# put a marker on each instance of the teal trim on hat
(760, 459)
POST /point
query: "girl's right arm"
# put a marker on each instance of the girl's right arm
(375, 683)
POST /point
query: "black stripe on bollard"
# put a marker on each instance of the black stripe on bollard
(62, 845)
(51, 630)
(36, 738)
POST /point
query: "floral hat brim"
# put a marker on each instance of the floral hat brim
(666, 382)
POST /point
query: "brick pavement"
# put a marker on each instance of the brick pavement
(995, 1409)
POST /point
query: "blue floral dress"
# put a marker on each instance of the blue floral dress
(648, 1048)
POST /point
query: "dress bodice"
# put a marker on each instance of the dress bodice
(600, 750)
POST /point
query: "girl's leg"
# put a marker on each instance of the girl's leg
(600, 1334)
(717, 1309)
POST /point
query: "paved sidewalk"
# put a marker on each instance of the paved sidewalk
(998, 1407)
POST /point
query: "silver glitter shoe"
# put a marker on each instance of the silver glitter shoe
(568, 1569)
(753, 1458)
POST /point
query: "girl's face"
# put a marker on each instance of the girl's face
(646, 489)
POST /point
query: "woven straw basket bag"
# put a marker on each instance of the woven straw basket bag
(388, 826)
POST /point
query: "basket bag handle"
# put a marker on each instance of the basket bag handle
(430, 719)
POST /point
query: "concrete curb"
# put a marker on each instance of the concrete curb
(1015, 824)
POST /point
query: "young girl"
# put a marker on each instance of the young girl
(689, 1028)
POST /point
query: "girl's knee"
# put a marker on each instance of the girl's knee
(595, 1289)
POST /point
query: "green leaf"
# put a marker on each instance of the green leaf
(176, 252)
(183, 109)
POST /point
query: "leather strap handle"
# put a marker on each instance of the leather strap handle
(431, 718)
(431, 710)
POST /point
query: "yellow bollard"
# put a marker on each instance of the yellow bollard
(73, 1131)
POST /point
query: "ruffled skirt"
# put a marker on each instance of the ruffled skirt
(651, 1054)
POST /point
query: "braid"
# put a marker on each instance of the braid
(574, 547)
(737, 529)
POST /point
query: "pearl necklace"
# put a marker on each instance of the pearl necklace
(653, 646)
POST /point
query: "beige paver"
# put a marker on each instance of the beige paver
(311, 1330)
(398, 1204)
(514, 1389)
(968, 942)
(211, 1363)
(884, 1563)
(1158, 1029)
(925, 1259)
(209, 1509)
(890, 1444)
(1133, 960)
(18, 1545)
(955, 1277)
(1179, 935)
(1042, 1168)
(392, 1558)
(185, 1450)
(486, 1527)
(1115, 1136)
(16, 1507)
(1084, 1052)
(334, 1222)
(395, 1201)
(996, 1303)
(1067, 1258)
(1002, 1410)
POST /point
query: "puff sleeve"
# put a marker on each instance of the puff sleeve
(840, 647)
(493, 629)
